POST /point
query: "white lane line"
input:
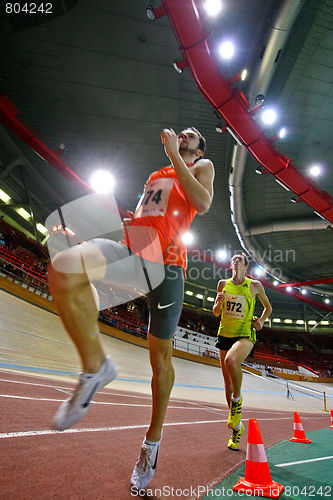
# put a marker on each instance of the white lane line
(129, 404)
(60, 388)
(95, 402)
(100, 429)
(304, 461)
(57, 387)
(6, 435)
(33, 383)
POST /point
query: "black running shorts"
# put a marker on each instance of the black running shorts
(225, 343)
(165, 301)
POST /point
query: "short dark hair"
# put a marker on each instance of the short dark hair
(246, 259)
(202, 140)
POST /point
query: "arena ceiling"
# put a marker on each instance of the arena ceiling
(98, 78)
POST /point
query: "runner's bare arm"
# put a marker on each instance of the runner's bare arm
(199, 188)
(219, 298)
(260, 292)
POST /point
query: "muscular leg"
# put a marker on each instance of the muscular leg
(74, 298)
(228, 388)
(232, 362)
(160, 352)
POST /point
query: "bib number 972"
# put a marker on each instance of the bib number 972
(233, 306)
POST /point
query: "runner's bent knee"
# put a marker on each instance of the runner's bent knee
(231, 362)
(81, 260)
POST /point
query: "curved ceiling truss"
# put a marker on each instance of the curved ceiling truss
(187, 22)
(230, 103)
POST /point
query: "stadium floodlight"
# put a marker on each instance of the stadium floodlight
(210, 299)
(288, 320)
(189, 292)
(275, 283)
(304, 291)
(244, 75)
(221, 255)
(325, 322)
(69, 231)
(227, 49)
(155, 13)
(102, 181)
(187, 238)
(315, 170)
(260, 170)
(4, 196)
(327, 301)
(269, 116)
(23, 213)
(259, 271)
(300, 322)
(42, 229)
(276, 320)
(312, 322)
(199, 296)
(282, 133)
(289, 289)
(213, 7)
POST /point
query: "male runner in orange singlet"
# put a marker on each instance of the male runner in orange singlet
(171, 199)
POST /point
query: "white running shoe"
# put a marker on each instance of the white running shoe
(145, 466)
(74, 408)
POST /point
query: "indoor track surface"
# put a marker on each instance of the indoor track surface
(95, 458)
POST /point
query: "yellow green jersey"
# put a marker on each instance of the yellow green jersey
(237, 310)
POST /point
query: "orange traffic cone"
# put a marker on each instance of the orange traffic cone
(299, 434)
(331, 426)
(257, 480)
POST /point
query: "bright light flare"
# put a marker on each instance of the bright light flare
(102, 181)
(4, 196)
(275, 283)
(315, 170)
(282, 133)
(289, 289)
(213, 7)
(269, 116)
(42, 229)
(221, 255)
(259, 271)
(227, 50)
(187, 238)
(244, 75)
(23, 213)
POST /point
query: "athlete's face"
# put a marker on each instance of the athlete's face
(238, 263)
(189, 141)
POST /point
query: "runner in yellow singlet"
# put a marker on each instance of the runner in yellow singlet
(235, 301)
